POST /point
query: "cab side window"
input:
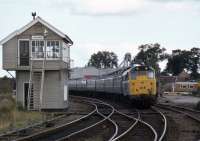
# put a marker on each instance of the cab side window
(125, 77)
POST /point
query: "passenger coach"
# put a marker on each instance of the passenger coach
(137, 83)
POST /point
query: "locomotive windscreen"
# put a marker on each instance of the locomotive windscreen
(142, 68)
(142, 71)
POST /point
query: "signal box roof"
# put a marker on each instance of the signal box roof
(65, 38)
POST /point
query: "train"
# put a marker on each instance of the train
(136, 83)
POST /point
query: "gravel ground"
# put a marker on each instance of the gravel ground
(181, 128)
(189, 101)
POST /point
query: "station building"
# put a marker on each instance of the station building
(40, 55)
(186, 86)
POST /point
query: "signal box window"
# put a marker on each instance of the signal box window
(53, 49)
(37, 49)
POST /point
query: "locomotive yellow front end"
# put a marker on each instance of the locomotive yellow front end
(142, 84)
(198, 87)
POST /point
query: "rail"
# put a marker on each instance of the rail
(130, 128)
(94, 101)
(177, 109)
(62, 126)
(165, 124)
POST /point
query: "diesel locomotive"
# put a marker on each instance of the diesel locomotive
(136, 83)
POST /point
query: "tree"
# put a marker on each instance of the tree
(6, 85)
(151, 54)
(103, 59)
(183, 59)
(194, 63)
(175, 64)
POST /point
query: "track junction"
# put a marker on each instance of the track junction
(108, 120)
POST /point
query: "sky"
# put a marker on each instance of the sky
(110, 25)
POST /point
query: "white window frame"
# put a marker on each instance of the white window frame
(59, 44)
(66, 92)
(65, 52)
(18, 51)
(32, 58)
(45, 55)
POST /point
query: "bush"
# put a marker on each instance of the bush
(7, 108)
(7, 85)
(7, 103)
(197, 92)
(20, 106)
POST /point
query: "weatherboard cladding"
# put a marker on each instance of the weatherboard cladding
(53, 96)
(10, 50)
(21, 78)
(55, 73)
(53, 90)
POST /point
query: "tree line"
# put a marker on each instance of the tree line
(152, 55)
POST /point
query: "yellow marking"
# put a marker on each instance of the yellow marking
(142, 85)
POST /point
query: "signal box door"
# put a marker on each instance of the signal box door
(24, 53)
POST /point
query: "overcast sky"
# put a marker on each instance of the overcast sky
(112, 25)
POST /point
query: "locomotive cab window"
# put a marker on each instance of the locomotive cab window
(133, 74)
(150, 74)
(139, 73)
(125, 77)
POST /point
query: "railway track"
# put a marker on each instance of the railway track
(94, 118)
(122, 127)
(103, 122)
(47, 124)
(185, 122)
(191, 113)
(65, 129)
(108, 127)
(157, 120)
(128, 123)
(146, 131)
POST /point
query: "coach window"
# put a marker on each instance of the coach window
(184, 86)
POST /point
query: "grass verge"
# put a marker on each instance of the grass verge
(12, 118)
